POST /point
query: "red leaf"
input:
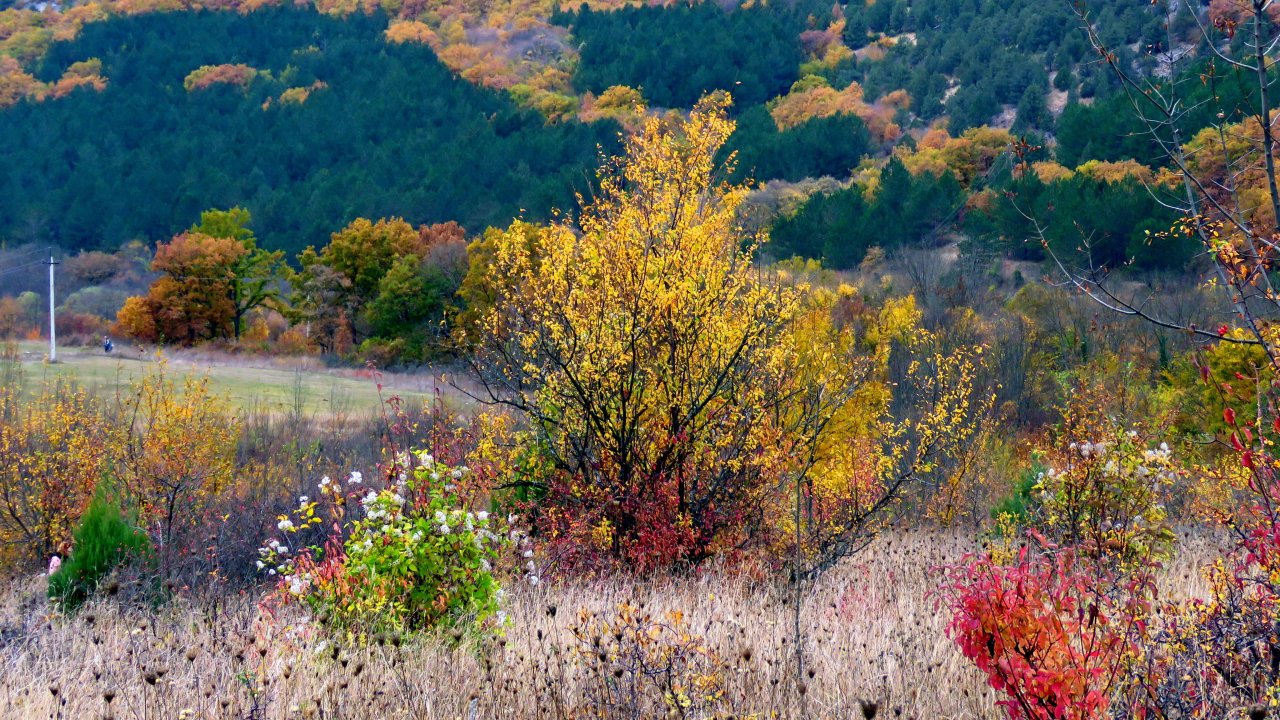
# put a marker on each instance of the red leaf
(1235, 442)
(1229, 415)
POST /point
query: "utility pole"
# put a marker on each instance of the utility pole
(53, 332)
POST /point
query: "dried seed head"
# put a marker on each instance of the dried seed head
(868, 709)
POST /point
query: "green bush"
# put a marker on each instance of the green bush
(414, 558)
(104, 541)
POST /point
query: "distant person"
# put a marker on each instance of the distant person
(55, 560)
(107, 345)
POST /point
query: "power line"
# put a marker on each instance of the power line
(16, 268)
(16, 255)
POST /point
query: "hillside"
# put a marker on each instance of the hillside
(326, 122)
(124, 123)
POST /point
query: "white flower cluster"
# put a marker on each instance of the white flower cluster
(329, 486)
(1089, 449)
(1156, 463)
(299, 584)
(384, 506)
(269, 553)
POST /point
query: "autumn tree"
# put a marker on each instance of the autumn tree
(253, 275)
(212, 276)
(382, 281)
(54, 448)
(178, 456)
(675, 388)
(192, 300)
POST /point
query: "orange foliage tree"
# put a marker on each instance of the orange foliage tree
(208, 75)
(213, 276)
(192, 301)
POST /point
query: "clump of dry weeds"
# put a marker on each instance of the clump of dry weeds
(716, 645)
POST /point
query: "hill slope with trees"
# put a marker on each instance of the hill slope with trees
(330, 123)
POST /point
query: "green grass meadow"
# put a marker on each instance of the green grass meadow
(248, 383)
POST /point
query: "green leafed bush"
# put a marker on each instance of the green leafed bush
(412, 558)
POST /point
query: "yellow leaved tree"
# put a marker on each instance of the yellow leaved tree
(678, 389)
(53, 448)
(178, 456)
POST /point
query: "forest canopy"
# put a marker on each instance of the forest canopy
(336, 124)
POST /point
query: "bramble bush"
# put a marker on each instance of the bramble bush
(410, 556)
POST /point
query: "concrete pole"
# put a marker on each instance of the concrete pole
(53, 331)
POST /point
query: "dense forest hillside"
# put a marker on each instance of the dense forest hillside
(123, 121)
(330, 122)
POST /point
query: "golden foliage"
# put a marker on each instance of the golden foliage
(178, 454)
(1049, 171)
(53, 450)
(208, 75)
(619, 102)
(1117, 171)
(968, 156)
(812, 97)
(658, 364)
(299, 95)
(402, 31)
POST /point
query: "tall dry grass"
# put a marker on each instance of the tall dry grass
(870, 626)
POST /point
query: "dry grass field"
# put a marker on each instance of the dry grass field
(871, 630)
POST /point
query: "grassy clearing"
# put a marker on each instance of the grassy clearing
(278, 385)
(871, 626)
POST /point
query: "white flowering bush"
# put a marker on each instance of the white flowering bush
(412, 556)
(1104, 493)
